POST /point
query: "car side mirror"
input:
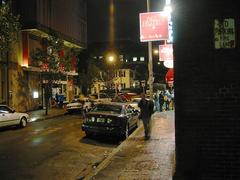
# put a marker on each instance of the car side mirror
(13, 111)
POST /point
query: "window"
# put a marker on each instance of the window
(121, 57)
(142, 59)
(4, 109)
(134, 59)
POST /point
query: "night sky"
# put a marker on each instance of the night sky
(126, 18)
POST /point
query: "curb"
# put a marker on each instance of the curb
(46, 118)
(107, 160)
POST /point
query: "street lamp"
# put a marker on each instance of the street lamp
(111, 59)
(155, 51)
(150, 63)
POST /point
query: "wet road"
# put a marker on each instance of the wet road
(51, 149)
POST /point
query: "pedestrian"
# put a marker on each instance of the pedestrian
(155, 98)
(161, 101)
(56, 97)
(167, 99)
(146, 107)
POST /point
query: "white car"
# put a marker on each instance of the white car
(101, 97)
(9, 117)
(134, 103)
(79, 105)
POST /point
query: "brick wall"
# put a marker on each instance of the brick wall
(207, 92)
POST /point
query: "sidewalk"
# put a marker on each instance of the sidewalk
(40, 114)
(137, 158)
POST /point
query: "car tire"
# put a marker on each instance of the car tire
(23, 122)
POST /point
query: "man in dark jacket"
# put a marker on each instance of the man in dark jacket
(161, 101)
(146, 107)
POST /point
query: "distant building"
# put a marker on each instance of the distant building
(128, 54)
(123, 78)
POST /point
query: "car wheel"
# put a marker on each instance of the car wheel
(23, 122)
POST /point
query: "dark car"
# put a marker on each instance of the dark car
(112, 118)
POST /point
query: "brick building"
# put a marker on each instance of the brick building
(207, 89)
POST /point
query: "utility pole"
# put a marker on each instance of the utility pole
(150, 63)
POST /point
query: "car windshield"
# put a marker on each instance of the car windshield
(114, 109)
(136, 100)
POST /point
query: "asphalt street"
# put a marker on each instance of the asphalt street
(51, 149)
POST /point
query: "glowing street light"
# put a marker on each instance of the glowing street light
(155, 51)
(110, 58)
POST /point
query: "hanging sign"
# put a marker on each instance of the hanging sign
(224, 33)
(166, 52)
(153, 26)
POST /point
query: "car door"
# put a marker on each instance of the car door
(2, 116)
(130, 116)
(7, 116)
(134, 114)
(12, 117)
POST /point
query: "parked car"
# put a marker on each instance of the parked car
(9, 117)
(119, 98)
(101, 97)
(77, 105)
(134, 103)
(112, 118)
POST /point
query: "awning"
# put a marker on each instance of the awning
(170, 76)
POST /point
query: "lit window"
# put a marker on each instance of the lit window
(134, 59)
(126, 60)
(35, 94)
(142, 59)
(121, 57)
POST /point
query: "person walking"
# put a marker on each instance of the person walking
(146, 107)
(161, 101)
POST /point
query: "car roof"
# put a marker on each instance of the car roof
(114, 103)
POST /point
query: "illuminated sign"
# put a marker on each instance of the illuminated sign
(166, 52)
(153, 26)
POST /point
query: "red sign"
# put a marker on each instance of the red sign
(166, 52)
(153, 26)
(170, 76)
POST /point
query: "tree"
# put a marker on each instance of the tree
(54, 63)
(9, 28)
(88, 71)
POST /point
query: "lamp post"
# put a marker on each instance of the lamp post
(150, 63)
(111, 59)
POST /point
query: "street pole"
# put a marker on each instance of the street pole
(150, 63)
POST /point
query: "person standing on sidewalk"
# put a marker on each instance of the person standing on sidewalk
(146, 107)
(161, 101)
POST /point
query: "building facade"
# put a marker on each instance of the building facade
(21, 81)
(123, 78)
(207, 89)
